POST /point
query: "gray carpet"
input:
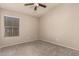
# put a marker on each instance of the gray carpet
(37, 48)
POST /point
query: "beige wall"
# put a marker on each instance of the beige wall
(28, 29)
(61, 26)
(0, 28)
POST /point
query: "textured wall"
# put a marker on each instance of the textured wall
(61, 26)
(28, 28)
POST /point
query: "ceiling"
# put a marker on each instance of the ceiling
(19, 7)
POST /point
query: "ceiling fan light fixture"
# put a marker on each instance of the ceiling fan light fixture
(36, 4)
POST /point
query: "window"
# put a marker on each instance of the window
(11, 25)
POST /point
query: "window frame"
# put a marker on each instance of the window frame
(12, 27)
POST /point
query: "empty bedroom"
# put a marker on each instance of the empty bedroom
(39, 29)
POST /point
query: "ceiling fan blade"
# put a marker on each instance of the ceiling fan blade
(35, 8)
(42, 5)
(27, 4)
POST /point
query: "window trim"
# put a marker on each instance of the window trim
(12, 26)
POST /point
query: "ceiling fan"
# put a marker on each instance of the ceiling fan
(35, 5)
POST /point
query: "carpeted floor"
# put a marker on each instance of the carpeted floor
(37, 48)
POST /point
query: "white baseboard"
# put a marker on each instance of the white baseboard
(4, 45)
(59, 44)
